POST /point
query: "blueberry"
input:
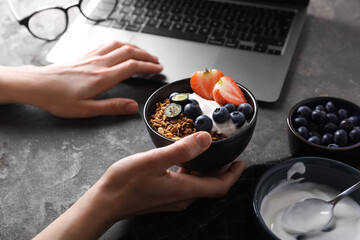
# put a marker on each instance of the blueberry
(173, 110)
(342, 114)
(333, 145)
(220, 114)
(192, 111)
(313, 133)
(304, 132)
(327, 139)
(203, 123)
(330, 107)
(194, 102)
(347, 125)
(180, 98)
(315, 140)
(304, 111)
(341, 137)
(329, 128)
(246, 109)
(332, 117)
(320, 107)
(173, 94)
(355, 120)
(314, 127)
(238, 118)
(354, 135)
(230, 107)
(318, 116)
(300, 121)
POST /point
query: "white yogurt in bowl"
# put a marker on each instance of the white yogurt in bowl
(289, 191)
(207, 107)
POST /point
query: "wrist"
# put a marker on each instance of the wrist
(91, 214)
(7, 85)
(14, 84)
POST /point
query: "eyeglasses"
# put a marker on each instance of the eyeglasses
(50, 23)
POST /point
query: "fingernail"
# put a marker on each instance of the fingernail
(131, 107)
(203, 139)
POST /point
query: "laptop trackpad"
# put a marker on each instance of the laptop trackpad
(180, 58)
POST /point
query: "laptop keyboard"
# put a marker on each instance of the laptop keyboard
(244, 27)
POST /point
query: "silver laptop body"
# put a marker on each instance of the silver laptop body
(262, 73)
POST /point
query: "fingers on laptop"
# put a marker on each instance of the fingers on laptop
(131, 67)
(108, 47)
(127, 52)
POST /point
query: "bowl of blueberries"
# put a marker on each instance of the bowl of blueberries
(173, 112)
(325, 127)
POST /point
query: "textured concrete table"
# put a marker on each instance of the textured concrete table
(47, 163)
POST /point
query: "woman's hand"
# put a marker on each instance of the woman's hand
(69, 90)
(142, 183)
(149, 186)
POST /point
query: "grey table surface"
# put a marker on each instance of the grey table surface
(47, 163)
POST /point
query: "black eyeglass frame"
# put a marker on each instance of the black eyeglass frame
(25, 21)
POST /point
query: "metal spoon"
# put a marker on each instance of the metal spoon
(312, 214)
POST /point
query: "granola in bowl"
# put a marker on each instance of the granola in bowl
(175, 128)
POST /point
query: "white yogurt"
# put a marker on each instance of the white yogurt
(290, 191)
(227, 128)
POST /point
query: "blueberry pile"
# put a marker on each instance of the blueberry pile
(327, 125)
(191, 109)
(238, 115)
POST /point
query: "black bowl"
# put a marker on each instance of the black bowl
(220, 152)
(301, 147)
(323, 171)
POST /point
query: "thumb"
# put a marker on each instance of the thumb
(184, 150)
(112, 106)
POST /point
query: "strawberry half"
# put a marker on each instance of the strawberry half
(203, 82)
(226, 91)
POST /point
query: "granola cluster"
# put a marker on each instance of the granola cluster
(175, 128)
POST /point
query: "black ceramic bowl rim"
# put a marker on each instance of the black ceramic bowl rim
(316, 99)
(281, 165)
(251, 122)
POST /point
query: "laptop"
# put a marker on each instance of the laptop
(251, 41)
